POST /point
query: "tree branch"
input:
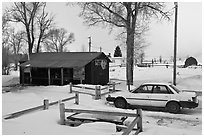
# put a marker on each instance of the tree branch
(164, 14)
(108, 8)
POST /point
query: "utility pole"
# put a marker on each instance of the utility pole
(100, 49)
(89, 44)
(175, 42)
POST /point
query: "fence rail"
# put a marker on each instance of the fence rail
(138, 121)
(137, 115)
(97, 90)
(45, 106)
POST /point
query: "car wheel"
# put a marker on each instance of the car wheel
(173, 107)
(120, 103)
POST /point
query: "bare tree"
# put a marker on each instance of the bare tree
(141, 56)
(5, 28)
(5, 60)
(45, 22)
(140, 42)
(29, 14)
(5, 46)
(123, 15)
(140, 45)
(16, 43)
(57, 40)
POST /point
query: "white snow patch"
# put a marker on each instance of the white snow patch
(46, 122)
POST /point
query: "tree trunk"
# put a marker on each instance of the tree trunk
(38, 47)
(29, 48)
(131, 21)
(130, 54)
(16, 62)
(16, 66)
(29, 40)
(38, 44)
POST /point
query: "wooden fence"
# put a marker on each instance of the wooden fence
(127, 130)
(45, 106)
(97, 94)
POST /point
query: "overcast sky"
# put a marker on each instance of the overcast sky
(160, 36)
(189, 33)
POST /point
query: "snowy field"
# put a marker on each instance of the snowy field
(46, 122)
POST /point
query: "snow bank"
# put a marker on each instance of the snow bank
(11, 79)
(32, 96)
(47, 123)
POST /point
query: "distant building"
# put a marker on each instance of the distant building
(145, 63)
(118, 61)
(190, 61)
(63, 68)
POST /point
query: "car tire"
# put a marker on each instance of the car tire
(173, 107)
(120, 103)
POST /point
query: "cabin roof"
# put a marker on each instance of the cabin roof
(63, 59)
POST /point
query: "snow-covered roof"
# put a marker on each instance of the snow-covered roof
(64, 59)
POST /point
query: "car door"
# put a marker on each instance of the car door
(140, 96)
(160, 96)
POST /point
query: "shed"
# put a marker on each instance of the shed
(52, 68)
(190, 61)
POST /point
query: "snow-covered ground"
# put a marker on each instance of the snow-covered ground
(46, 122)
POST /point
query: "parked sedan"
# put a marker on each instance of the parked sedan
(156, 95)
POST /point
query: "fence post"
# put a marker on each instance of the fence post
(62, 114)
(113, 87)
(97, 92)
(139, 124)
(59, 102)
(45, 104)
(70, 86)
(77, 98)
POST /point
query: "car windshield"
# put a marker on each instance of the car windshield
(135, 89)
(175, 88)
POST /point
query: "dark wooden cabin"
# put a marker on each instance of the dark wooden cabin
(62, 68)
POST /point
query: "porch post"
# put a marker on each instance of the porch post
(48, 76)
(62, 77)
(22, 75)
(30, 76)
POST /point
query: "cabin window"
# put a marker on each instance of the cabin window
(101, 62)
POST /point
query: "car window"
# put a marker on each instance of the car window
(175, 88)
(160, 90)
(144, 89)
